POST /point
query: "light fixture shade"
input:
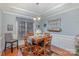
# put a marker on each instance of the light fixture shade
(34, 18)
(39, 18)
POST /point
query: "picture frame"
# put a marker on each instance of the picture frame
(9, 27)
(54, 25)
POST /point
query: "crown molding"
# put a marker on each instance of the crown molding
(17, 15)
(62, 11)
(37, 14)
(51, 9)
(26, 13)
(23, 10)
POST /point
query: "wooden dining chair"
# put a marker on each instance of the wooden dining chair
(34, 50)
(30, 33)
(47, 45)
(37, 50)
(40, 51)
(36, 41)
(46, 34)
(25, 51)
(26, 43)
(25, 37)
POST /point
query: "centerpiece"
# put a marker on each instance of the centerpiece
(38, 33)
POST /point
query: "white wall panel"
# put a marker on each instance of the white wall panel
(64, 41)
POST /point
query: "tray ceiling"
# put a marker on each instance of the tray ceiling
(42, 9)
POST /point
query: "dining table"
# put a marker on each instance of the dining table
(33, 40)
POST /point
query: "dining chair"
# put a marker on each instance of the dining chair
(46, 34)
(25, 37)
(34, 47)
(30, 33)
(40, 51)
(25, 51)
(37, 49)
(9, 40)
(47, 45)
(27, 44)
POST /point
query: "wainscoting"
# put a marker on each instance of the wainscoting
(64, 42)
(0, 45)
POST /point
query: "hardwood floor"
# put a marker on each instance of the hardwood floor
(16, 52)
(56, 52)
(61, 52)
(8, 52)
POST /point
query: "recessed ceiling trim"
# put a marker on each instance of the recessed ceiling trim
(61, 12)
(60, 5)
(17, 15)
(23, 10)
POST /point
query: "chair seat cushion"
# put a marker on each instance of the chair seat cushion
(11, 41)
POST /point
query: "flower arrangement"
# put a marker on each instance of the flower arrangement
(38, 32)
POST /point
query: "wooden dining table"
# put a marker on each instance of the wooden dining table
(34, 40)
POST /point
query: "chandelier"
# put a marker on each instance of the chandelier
(37, 18)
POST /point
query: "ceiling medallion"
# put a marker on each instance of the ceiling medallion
(37, 3)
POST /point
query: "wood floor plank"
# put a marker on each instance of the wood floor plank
(61, 52)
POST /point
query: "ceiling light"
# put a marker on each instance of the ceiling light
(34, 18)
(39, 18)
